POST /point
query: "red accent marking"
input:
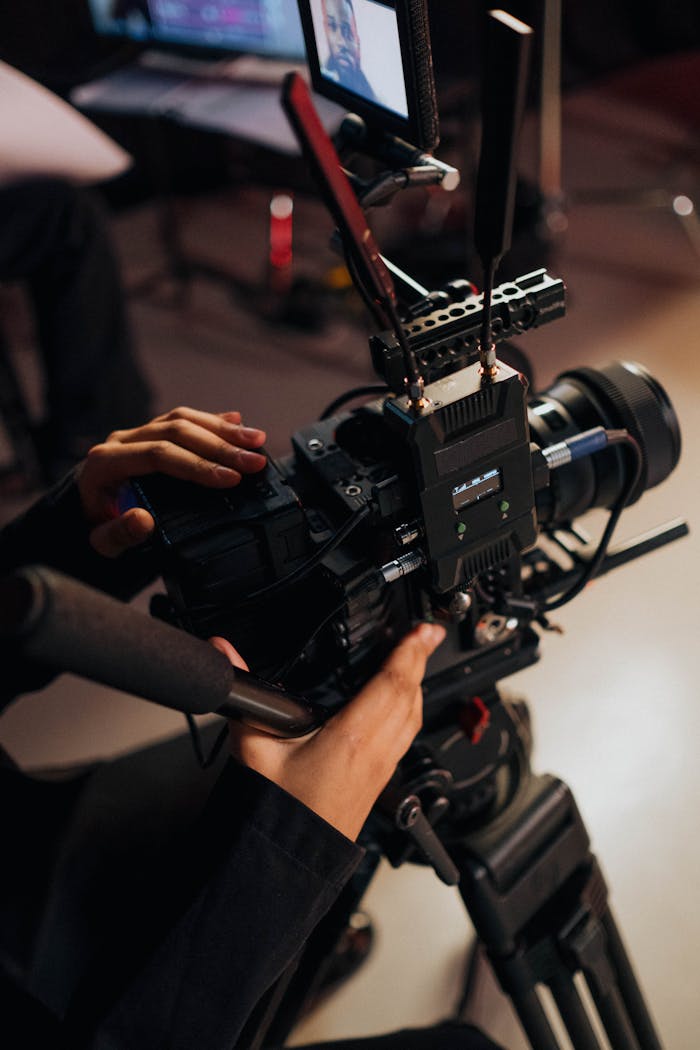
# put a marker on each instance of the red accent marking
(475, 719)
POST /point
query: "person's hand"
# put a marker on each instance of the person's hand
(213, 450)
(340, 771)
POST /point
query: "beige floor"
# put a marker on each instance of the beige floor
(615, 699)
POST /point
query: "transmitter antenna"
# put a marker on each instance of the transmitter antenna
(343, 205)
(504, 87)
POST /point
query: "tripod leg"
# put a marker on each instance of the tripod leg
(586, 949)
(538, 902)
(573, 1014)
(514, 977)
(617, 1024)
(543, 963)
(629, 988)
(534, 1020)
(518, 977)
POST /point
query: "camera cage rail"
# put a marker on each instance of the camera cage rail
(447, 337)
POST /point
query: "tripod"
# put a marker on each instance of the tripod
(521, 857)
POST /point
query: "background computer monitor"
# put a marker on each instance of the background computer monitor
(258, 27)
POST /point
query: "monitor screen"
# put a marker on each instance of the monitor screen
(359, 49)
(259, 27)
(373, 57)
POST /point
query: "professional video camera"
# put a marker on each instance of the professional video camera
(386, 515)
(452, 495)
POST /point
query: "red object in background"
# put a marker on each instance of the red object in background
(281, 225)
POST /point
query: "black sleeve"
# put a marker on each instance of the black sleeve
(255, 879)
(54, 532)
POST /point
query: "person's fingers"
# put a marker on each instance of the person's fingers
(128, 530)
(182, 425)
(387, 713)
(340, 770)
(210, 449)
(228, 450)
(109, 464)
(225, 647)
(403, 670)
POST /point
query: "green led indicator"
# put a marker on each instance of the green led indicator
(504, 505)
(460, 528)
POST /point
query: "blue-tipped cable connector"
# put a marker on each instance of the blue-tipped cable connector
(573, 448)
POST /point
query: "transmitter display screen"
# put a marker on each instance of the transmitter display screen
(477, 488)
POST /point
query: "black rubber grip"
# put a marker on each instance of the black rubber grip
(504, 88)
(422, 61)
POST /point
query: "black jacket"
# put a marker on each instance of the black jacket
(142, 904)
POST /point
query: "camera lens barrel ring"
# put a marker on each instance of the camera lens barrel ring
(643, 408)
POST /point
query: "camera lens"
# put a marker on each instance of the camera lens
(622, 395)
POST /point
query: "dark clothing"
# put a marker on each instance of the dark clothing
(54, 532)
(355, 81)
(141, 913)
(144, 903)
(137, 910)
(54, 239)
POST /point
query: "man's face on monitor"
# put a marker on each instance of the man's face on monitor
(341, 31)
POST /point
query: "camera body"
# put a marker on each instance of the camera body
(435, 500)
(229, 559)
(387, 514)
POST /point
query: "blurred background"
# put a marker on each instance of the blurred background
(614, 699)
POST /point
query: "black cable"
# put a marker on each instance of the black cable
(615, 437)
(376, 309)
(281, 673)
(205, 761)
(300, 572)
(288, 667)
(350, 395)
(386, 315)
(480, 590)
(313, 561)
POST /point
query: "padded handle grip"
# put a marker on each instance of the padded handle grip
(56, 620)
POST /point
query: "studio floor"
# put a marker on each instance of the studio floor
(614, 699)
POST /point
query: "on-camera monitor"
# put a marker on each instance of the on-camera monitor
(260, 27)
(373, 57)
